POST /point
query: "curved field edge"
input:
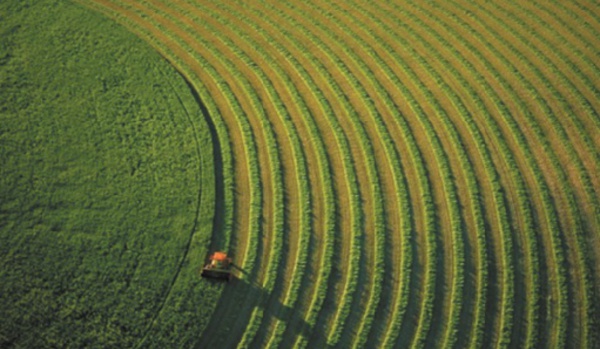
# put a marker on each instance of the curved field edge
(108, 186)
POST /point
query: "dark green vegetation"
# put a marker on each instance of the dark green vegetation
(106, 186)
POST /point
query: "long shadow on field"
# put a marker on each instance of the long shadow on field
(218, 235)
(272, 309)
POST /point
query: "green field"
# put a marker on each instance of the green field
(107, 186)
(384, 174)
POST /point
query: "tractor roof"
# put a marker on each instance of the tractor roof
(219, 256)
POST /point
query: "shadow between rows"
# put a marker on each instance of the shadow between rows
(245, 289)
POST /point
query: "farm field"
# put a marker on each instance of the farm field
(384, 174)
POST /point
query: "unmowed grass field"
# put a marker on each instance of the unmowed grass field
(107, 186)
(398, 174)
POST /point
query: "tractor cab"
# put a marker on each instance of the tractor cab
(218, 267)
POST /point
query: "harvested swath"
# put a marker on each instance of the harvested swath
(379, 104)
(567, 49)
(466, 89)
(330, 119)
(560, 94)
(458, 279)
(488, 177)
(274, 252)
(325, 267)
(263, 58)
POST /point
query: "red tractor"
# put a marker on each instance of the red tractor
(218, 267)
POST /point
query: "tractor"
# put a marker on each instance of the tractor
(218, 267)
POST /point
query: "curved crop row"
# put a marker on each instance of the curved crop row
(292, 293)
(489, 176)
(303, 186)
(267, 288)
(325, 266)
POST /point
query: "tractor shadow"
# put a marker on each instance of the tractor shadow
(249, 294)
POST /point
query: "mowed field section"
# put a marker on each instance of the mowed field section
(391, 174)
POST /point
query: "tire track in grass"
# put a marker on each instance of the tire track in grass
(191, 27)
(194, 226)
(396, 83)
